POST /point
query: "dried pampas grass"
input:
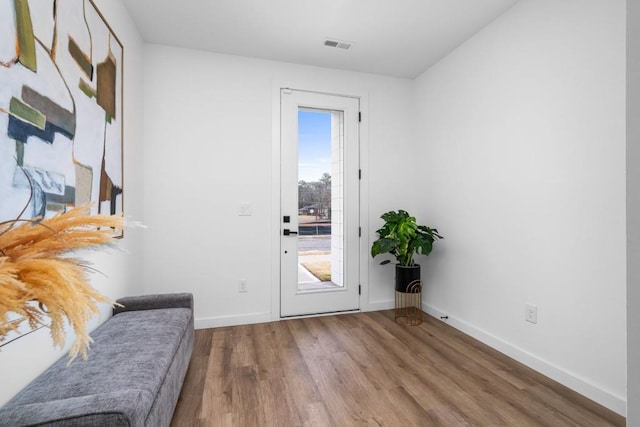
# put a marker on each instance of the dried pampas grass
(35, 267)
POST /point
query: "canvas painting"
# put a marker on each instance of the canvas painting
(60, 109)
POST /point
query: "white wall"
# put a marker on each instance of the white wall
(24, 359)
(208, 148)
(633, 213)
(523, 131)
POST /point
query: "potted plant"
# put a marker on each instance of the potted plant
(402, 237)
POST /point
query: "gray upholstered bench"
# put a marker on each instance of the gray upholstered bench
(133, 376)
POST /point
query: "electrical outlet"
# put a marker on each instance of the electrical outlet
(242, 285)
(531, 313)
(245, 209)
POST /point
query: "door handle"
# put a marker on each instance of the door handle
(288, 232)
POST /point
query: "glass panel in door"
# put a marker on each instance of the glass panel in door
(320, 199)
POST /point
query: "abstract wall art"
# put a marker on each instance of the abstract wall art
(61, 133)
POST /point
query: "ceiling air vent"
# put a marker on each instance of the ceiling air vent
(338, 44)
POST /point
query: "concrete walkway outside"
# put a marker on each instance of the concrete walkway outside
(306, 280)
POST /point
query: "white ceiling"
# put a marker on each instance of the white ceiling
(399, 38)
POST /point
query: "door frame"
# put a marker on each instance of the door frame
(275, 186)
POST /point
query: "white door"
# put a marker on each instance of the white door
(319, 238)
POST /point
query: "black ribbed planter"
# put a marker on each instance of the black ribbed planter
(408, 279)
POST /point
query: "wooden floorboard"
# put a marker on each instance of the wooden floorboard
(364, 369)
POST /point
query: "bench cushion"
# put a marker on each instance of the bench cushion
(118, 385)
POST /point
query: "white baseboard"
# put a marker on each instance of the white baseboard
(609, 400)
(380, 305)
(244, 319)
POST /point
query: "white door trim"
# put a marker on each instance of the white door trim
(275, 186)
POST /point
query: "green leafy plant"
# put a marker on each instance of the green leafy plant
(402, 237)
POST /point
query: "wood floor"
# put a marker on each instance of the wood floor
(365, 370)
